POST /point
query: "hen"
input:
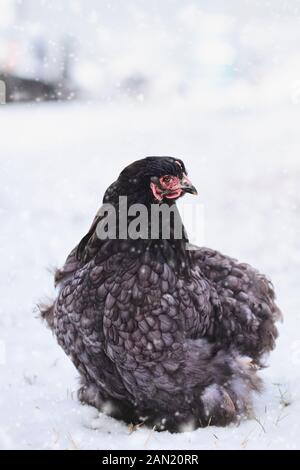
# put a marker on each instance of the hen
(162, 333)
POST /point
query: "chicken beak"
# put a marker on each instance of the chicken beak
(188, 187)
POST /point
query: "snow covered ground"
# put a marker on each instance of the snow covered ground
(55, 163)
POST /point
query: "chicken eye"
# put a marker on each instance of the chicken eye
(167, 180)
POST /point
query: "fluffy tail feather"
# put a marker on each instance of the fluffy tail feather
(46, 311)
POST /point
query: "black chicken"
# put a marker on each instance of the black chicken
(160, 333)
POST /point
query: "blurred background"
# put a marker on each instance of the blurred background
(238, 51)
(91, 86)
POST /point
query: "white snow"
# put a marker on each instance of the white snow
(56, 162)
